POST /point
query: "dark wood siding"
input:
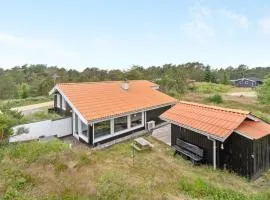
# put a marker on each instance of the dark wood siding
(154, 114)
(261, 148)
(198, 140)
(237, 155)
(90, 134)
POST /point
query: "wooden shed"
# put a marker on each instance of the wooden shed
(229, 139)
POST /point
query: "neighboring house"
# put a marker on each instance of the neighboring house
(104, 111)
(231, 139)
(247, 82)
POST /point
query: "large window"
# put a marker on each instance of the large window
(136, 119)
(120, 124)
(102, 129)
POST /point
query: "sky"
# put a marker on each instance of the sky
(117, 34)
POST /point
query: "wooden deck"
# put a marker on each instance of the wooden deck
(163, 134)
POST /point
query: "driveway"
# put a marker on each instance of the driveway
(163, 134)
(26, 110)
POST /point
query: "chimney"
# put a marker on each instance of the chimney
(125, 85)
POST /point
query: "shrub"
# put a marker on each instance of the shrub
(264, 91)
(208, 88)
(216, 98)
(202, 190)
(31, 151)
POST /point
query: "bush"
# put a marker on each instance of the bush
(264, 91)
(216, 98)
(202, 190)
(31, 151)
(208, 88)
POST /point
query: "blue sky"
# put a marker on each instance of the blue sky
(118, 34)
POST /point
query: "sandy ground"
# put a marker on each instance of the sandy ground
(33, 108)
(243, 94)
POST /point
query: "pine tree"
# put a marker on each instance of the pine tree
(207, 74)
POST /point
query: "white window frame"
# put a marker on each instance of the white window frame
(112, 133)
(63, 104)
(58, 104)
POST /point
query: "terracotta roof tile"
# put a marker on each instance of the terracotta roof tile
(98, 100)
(212, 120)
(254, 129)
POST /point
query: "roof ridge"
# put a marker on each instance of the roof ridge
(96, 82)
(216, 107)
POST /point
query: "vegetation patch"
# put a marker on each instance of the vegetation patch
(10, 103)
(216, 98)
(208, 88)
(31, 151)
(202, 190)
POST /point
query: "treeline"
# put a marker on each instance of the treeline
(37, 80)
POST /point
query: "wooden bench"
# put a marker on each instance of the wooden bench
(193, 152)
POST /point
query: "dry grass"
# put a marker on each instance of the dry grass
(83, 173)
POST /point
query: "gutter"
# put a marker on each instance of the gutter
(214, 152)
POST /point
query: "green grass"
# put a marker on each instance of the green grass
(208, 88)
(216, 98)
(51, 170)
(39, 116)
(24, 102)
(202, 190)
(31, 151)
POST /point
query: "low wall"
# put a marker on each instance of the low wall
(32, 131)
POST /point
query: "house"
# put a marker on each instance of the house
(228, 138)
(104, 111)
(247, 82)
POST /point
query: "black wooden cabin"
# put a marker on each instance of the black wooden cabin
(237, 153)
(245, 150)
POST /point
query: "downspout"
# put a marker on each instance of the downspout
(214, 152)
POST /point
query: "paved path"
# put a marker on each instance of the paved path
(163, 134)
(33, 108)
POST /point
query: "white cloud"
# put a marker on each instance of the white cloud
(238, 18)
(198, 27)
(264, 24)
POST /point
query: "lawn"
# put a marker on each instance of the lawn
(24, 102)
(248, 103)
(52, 170)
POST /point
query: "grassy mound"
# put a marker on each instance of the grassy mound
(216, 98)
(208, 88)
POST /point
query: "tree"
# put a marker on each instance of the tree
(7, 87)
(23, 90)
(207, 74)
(226, 79)
(45, 86)
(5, 129)
(264, 91)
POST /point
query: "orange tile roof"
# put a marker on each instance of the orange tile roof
(214, 121)
(98, 100)
(254, 129)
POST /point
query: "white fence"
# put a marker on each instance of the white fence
(32, 131)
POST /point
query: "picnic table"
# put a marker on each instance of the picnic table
(141, 144)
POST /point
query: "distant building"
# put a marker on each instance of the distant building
(247, 82)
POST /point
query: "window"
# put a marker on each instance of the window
(120, 124)
(136, 119)
(102, 129)
(84, 129)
